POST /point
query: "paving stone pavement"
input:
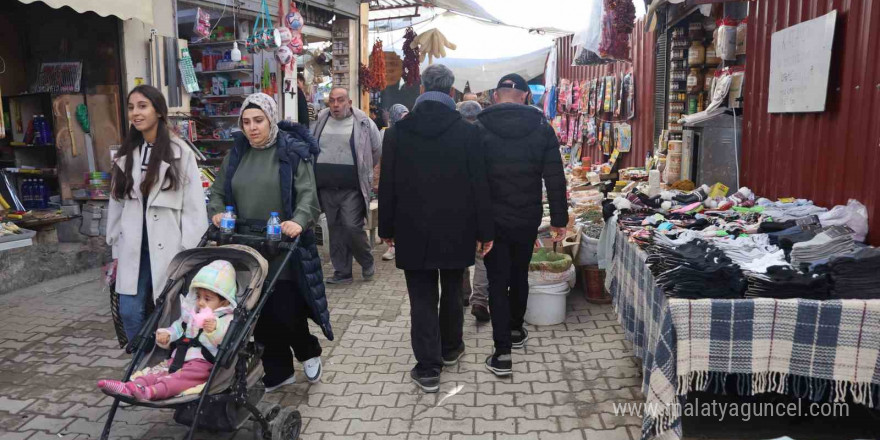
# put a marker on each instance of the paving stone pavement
(57, 339)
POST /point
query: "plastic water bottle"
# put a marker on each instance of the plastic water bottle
(26, 194)
(38, 132)
(45, 131)
(227, 223)
(273, 227)
(44, 194)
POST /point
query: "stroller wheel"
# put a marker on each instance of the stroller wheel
(286, 425)
(269, 409)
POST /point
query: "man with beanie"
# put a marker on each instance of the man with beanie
(350, 146)
(434, 208)
(522, 152)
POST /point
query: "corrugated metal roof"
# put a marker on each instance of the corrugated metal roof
(642, 66)
(830, 156)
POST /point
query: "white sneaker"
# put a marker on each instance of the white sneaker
(389, 254)
(313, 369)
(288, 381)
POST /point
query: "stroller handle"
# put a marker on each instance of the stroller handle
(260, 243)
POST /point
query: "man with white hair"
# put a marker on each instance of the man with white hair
(350, 145)
(522, 152)
(434, 208)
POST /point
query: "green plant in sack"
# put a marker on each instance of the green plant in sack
(546, 260)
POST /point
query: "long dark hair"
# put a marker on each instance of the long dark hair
(161, 151)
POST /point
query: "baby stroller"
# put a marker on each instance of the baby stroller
(231, 396)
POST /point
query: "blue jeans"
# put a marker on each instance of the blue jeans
(132, 308)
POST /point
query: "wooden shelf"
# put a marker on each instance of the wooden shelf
(215, 43)
(221, 96)
(31, 145)
(208, 72)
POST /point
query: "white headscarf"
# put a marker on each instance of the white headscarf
(270, 108)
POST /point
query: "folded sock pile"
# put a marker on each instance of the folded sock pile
(744, 250)
(782, 212)
(784, 282)
(695, 270)
(832, 241)
(855, 275)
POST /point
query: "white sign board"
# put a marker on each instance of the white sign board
(800, 58)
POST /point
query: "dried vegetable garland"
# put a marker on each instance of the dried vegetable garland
(377, 68)
(365, 78)
(411, 73)
(617, 25)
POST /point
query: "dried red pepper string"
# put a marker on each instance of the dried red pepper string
(411, 73)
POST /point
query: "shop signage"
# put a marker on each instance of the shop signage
(800, 58)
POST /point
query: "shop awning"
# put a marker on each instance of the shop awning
(124, 9)
(465, 7)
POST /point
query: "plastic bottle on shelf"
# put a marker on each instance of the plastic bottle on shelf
(27, 198)
(44, 194)
(38, 132)
(44, 130)
(227, 223)
(273, 227)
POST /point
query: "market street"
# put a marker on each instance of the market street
(58, 339)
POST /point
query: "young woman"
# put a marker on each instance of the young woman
(271, 169)
(157, 204)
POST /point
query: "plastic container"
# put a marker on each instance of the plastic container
(696, 54)
(227, 223)
(273, 227)
(695, 81)
(712, 58)
(546, 304)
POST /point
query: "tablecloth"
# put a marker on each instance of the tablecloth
(819, 350)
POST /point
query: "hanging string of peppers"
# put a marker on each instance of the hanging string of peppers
(617, 25)
(411, 74)
(365, 78)
(377, 67)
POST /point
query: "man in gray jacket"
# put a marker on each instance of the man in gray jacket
(350, 146)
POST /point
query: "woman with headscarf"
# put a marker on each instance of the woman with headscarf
(271, 169)
(397, 112)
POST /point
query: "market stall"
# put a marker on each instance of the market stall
(741, 296)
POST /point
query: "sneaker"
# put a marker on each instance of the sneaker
(368, 274)
(480, 312)
(339, 281)
(115, 387)
(313, 370)
(452, 357)
(288, 381)
(428, 384)
(500, 364)
(389, 254)
(518, 338)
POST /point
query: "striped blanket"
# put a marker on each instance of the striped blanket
(819, 350)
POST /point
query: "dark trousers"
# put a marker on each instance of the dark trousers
(508, 269)
(434, 335)
(284, 325)
(345, 219)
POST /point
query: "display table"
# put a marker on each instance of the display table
(826, 351)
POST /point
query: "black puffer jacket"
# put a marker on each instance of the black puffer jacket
(522, 149)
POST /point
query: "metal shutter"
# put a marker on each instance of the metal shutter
(661, 76)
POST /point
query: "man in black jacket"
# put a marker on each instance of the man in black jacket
(434, 208)
(522, 151)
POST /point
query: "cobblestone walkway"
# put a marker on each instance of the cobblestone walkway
(56, 339)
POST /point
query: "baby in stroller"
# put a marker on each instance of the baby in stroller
(206, 312)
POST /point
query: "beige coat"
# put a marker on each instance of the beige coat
(176, 220)
(367, 145)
